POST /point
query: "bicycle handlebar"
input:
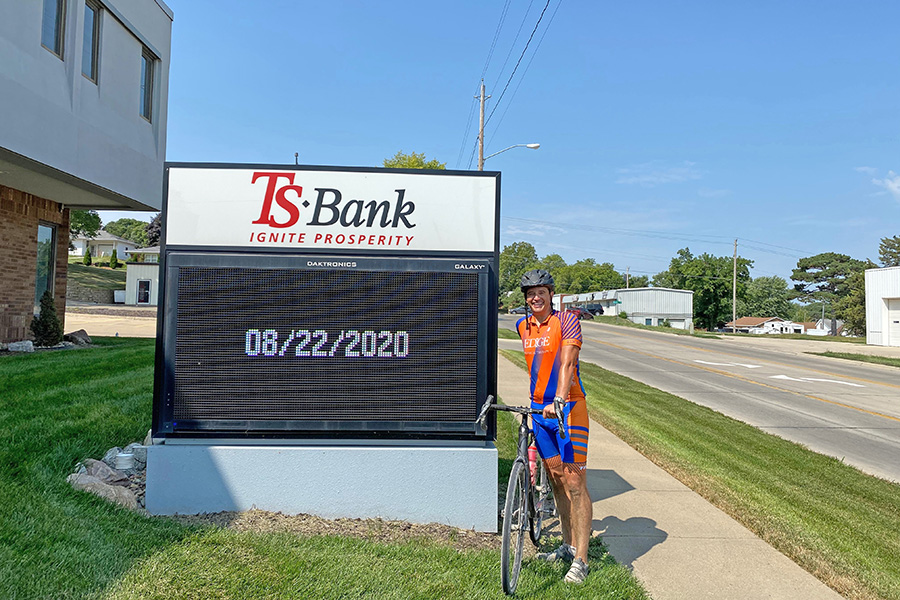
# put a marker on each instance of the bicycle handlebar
(492, 405)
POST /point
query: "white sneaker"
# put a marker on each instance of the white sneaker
(564, 552)
(577, 572)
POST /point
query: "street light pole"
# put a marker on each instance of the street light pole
(532, 146)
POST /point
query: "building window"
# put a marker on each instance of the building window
(147, 62)
(90, 52)
(46, 263)
(53, 26)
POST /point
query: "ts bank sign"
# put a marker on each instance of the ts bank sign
(304, 208)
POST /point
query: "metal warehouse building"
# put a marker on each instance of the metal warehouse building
(883, 306)
(647, 306)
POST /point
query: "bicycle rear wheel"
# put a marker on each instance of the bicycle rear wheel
(541, 502)
(515, 521)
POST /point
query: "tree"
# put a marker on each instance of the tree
(766, 297)
(587, 276)
(129, 229)
(412, 161)
(87, 260)
(889, 251)
(46, 327)
(83, 223)
(664, 279)
(114, 260)
(638, 281)
(824, 276)
(710, 278)
(552, 263)
(852, 307)
(154, 230)
(515, 260)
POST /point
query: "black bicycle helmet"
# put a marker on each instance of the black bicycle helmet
(537, 277)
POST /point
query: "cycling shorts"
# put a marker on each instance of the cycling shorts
(572, 449)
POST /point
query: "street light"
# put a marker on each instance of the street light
(532, 146)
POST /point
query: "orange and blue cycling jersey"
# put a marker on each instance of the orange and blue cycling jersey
(543, 343)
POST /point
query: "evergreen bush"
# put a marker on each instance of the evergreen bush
(114, 260)
(87, 257)
(46, 327)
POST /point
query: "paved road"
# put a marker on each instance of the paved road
(841, 408)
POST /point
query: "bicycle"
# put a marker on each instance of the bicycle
(528, 494)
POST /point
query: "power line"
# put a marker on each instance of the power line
(513, 45)
(518, 62)
(525, 72)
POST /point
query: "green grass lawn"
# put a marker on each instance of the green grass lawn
(614, 320)
(58, 544)
(835, 521)
(880, 360)
(801, 336)
(507, 334)
(102, 278)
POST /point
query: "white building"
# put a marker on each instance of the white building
(103, 244)
(142, 278)
(82, 126)
(647, 306)
(883, 306)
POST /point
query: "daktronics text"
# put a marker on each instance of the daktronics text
(330, 207)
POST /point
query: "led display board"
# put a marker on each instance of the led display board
(322, 302)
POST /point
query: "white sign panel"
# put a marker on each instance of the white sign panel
(298, 209)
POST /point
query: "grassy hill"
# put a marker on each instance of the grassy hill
(101, 278)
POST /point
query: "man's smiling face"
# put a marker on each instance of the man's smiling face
(538, 299)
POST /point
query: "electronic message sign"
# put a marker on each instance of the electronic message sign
(323, 302)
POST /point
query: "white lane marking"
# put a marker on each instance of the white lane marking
(816, 379)
(705, 362)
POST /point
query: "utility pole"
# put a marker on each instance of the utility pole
(627, 278)
(734, 292)
(481, 97)
(296, 158)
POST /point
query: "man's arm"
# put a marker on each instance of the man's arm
(568, 360)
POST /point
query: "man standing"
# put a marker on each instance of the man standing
(552, 341)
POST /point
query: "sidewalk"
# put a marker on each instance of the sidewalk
(679, 545)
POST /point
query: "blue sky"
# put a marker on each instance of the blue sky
(662, 124)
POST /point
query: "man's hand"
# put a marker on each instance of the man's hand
(549, 412)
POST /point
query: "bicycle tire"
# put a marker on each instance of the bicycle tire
(541, 499)
(515, 515)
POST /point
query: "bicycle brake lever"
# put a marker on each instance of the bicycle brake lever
(481, 421)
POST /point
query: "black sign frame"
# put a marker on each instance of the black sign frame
(175, 257)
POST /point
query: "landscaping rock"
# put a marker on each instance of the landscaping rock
(140, 455)
(79, 337)
(148, 439)
(103, 472)
(110, 457)
(114, 493)
(26, 346)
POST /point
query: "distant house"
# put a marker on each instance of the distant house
(774, 325)
(142, 277)
(102, 245)
(757, 325)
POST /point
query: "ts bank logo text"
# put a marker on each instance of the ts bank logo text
(329, 206)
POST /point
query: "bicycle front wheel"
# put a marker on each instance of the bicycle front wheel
(515, 521)
(541, 502)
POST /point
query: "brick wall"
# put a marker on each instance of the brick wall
(20, 214)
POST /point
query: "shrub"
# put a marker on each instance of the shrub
(665, 323)
(46, 327)
(623, 315)
(114, 260)
(87, 257)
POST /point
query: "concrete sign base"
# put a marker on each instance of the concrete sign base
(417, 482)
